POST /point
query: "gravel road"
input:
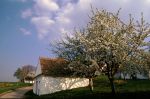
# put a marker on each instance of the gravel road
(18, 93)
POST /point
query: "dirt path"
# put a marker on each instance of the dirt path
(18, 93)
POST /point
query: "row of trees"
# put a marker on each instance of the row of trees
(107, 45)
(23, 72)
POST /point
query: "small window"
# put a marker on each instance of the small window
(39, 81)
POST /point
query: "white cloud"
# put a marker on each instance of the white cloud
(24, 31)
(122, 1)
(56, 17)
(49, 5)
(51, 20)
(63, 31)
(26, 13)
(63, 19)
(147, 1)
(42, 24)
(63, 14)
(84, 4)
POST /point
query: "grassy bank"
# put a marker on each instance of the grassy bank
(136, 89)
(6, 86)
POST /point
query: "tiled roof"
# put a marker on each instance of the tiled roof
(53, 66)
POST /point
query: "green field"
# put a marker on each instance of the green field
(136, 89)
(8, 86)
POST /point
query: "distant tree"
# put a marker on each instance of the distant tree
(18, 74)
(22, 73)
(26, 69)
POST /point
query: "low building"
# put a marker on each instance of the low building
(30, 77)
(131, 76)
(51, 77)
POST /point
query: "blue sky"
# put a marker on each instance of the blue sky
(28, 26)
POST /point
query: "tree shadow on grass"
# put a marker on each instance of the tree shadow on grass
(84, 94)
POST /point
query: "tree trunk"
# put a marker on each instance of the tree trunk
(24, 79)
(112, 86)
(91, 84)
(124, 76)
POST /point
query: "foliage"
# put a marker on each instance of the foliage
(22, 73)
(18, 74)
(70, 49)
(109, 44)
(58, 68)
(82, 70)
(110, 40)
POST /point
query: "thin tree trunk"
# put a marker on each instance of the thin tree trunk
(24, 79)
(91, 84)
(124, 76)
(112, 86)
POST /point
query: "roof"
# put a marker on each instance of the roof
(54, 67)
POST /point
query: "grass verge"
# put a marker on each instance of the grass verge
(7, 86)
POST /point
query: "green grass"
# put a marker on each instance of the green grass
(7, 86)
(136, 89)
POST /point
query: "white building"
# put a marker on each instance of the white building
(128, 76)
(29, 81)
(45, 82)
(30, 77)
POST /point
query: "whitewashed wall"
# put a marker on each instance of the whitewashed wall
(139, 76)
(37, 85)
(47, 85)
(38, 69)
(29, 81)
